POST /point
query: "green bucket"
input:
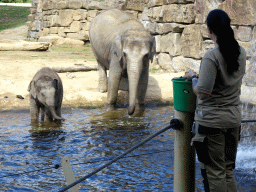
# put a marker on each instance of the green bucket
(183, 95)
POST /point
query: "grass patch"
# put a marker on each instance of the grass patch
(153, 70)
(12, 16)
(57, 52)
(74, 52)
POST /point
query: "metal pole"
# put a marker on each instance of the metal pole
(184, 154)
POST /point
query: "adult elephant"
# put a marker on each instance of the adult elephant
(46, 93)
(123, 46)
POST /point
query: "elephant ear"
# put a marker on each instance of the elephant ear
(118, 47)
(55, 84)
(32, 89)
(152, 49)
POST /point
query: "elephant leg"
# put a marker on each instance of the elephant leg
(113, 85)
(103, 81)
(34, 110)
(58, 110)
(42, 113)
(142, 89)
(48, 115)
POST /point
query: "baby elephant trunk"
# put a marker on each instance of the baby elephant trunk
(53, 112)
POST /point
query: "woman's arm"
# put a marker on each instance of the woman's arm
(199, 94)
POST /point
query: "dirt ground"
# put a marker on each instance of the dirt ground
(80, 88)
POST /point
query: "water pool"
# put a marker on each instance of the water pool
(90, 137)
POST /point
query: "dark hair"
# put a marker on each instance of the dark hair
(219, 22)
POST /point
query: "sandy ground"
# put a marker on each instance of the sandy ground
(80, 88)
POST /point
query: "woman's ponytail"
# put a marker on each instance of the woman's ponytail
(219, 22)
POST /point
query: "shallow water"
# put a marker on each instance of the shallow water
(90, 137)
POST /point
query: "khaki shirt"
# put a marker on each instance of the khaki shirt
(221, 109)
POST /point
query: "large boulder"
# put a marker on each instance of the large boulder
(203, 7)
(60, 41)
(241, 12)
(191, 41)
(178, 13)
(250, 76)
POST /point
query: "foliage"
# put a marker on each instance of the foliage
(13, 16)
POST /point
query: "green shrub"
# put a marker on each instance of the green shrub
(13, 16)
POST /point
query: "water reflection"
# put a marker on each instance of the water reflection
(45, 129)
(90, 138)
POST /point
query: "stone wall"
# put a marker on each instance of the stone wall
(178, 25)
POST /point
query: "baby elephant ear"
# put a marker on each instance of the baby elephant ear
(55, 84)
(118, 47)
(32, 89)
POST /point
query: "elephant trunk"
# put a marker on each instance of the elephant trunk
(55, 116)
(133, 77)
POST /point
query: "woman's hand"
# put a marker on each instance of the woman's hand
(188, 75)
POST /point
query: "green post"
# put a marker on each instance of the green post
(184, 153)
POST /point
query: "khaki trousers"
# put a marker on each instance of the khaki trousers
(216, 150)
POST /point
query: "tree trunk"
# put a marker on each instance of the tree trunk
(11, 45)
(75, 69)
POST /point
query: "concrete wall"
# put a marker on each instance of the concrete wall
(178, 25)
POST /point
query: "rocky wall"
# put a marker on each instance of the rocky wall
(178, 25)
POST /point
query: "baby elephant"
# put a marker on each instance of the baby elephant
(46, 93)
